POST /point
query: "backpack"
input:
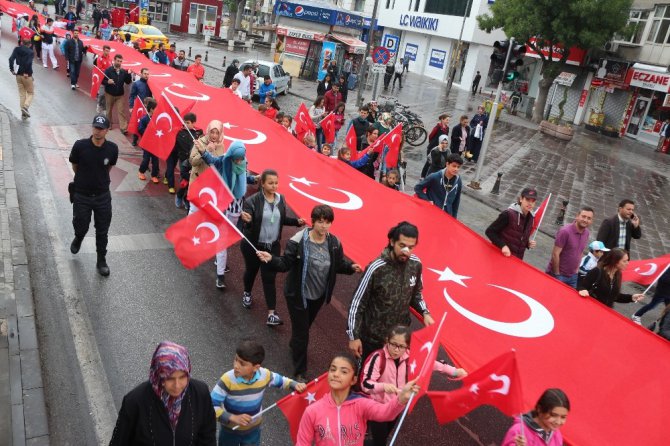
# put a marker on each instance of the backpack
(382, 367)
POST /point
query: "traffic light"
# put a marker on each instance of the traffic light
(515, 61)
(498, 56)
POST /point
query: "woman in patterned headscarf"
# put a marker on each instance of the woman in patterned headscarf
(170, 408)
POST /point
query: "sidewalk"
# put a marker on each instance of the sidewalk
(23, 416)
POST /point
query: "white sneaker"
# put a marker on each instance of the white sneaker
(71, 87)
(636, 319)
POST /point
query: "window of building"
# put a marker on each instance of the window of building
(416, 5)
(158, 11)
(659, 25)
(448, 7)
(359, 5)
(637, 20)
(388, 4)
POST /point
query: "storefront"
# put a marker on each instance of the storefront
(608, 96)
(158, 13)
(311, 33)
(649, 103)
(201, 17)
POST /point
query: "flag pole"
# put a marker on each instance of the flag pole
(411, 397)
(237, 426)
(103, 73)
(541, 217)
(656, 279)
(178, 115)
(220, 212)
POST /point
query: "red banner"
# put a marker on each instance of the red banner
(561, 340)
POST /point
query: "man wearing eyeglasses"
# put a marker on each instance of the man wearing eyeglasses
(391, 284)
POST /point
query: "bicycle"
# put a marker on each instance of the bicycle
(413, 128)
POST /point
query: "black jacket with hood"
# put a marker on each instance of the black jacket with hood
(254, 206)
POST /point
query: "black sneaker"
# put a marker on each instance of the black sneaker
(274, 320)
(220, 284)
(226, 269)
(76, 244)
(246, 300)
(103, 269)
(24, 110)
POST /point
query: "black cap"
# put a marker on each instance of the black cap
(529, 192)
(101, 122)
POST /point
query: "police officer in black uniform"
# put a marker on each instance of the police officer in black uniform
(92, 159)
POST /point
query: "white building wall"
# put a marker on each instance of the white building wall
(435, 33)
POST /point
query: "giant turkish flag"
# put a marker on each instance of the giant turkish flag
(607, 365)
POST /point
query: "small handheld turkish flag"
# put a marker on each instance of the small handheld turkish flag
(303, 123)
(422, 356)
(352, 142)
(161, 133)
(389, 147)
(645, 272)
(496, 383)
(96, 81)
(539, 214)
(198, 237)
(135, 116)
(328, 128)
(26, 33)
(210, 194)
(294, 405)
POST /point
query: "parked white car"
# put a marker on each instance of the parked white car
(280, 78)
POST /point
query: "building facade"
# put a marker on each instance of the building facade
(427, 32)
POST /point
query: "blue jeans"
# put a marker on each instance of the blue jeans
(75, 67)
(568, 280)
(651, 305)
(228, 438)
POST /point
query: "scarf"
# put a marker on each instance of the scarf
(169, 358)
(235, 175)
(214, 146)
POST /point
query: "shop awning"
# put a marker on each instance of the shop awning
(298, 33)
(353, 44)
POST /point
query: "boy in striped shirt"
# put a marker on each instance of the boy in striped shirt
(238, 395)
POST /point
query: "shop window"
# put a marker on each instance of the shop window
(659, 25)
(158, 11)
(359, 5)
(448, 7)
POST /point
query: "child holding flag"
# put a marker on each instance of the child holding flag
(386, 370)
(238, 395)
(341, 411)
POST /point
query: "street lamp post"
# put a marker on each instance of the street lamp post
(474, 184)
(365, 67)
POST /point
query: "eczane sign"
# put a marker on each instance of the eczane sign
(649, 79)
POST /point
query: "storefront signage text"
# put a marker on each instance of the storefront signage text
(321, 15)
(419, 22)
(300, 34)
(652, 81)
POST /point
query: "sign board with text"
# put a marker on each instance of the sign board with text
(565, 78)
(411, 51)
(651, 80)
(437, 58)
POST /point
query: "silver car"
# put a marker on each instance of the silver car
(280, 78)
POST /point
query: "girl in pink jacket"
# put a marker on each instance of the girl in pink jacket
(385, 372)
(540, 427)
(340, 417)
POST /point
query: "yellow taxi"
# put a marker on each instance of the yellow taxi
(147, 35)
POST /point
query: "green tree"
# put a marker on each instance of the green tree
(236, 9)
(583, 24)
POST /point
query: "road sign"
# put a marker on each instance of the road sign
(381, 55)
(391, 42)
(379, 68)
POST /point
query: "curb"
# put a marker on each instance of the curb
(20, 371)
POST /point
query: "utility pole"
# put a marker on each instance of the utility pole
(474, 184)
(455, 59)
(365, 67)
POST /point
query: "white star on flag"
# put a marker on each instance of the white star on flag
(311, 397)
(412, 367)
(448, 275)
(196, 241)
(302, 180)
(159, 133)
(474, 388)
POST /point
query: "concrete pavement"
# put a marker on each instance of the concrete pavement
(23, 416)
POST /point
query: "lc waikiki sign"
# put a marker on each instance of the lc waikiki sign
(419, 22)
